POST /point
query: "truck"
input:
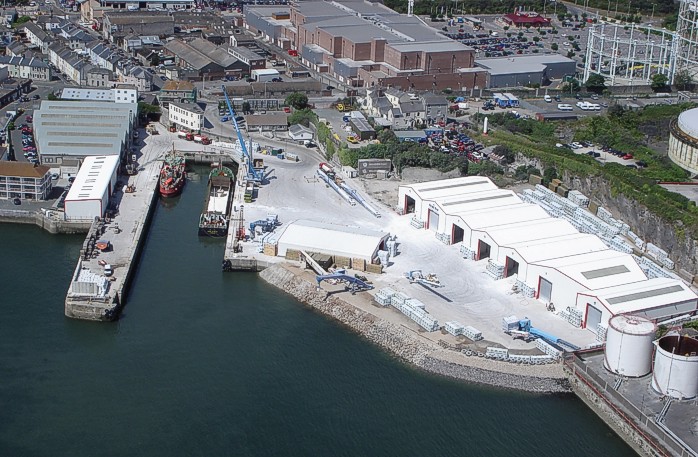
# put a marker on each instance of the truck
(201, 139)
(185, 135)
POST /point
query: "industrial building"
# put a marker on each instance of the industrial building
(121, 94)
(524, 70)
(331, 239)
(77, 129)
(367, 44)
(683, 141)
(551, 260)
(91, 191)
(201, 59)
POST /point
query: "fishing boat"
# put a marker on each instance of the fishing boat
(172, 174)
(214, 217)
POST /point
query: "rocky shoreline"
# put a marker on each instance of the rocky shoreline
(411, 347)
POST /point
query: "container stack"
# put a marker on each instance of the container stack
(573, 316)
(525, 289)
(472, 333)
(618, 243)
(639, 242)
(454, 328)
(601, 333)
(445, 238)
(497, 353)
(384, 296)
(510, 323)
(416, 223)
(413, 302)
(548, 349)
(413, 309)
(578, 198)
(495, 270)
(398, 299)
(466, 252)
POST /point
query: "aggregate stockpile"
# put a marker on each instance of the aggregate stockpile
(355, 311)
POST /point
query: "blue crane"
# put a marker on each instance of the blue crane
(252, 174)
(525, 326)
(354, 284)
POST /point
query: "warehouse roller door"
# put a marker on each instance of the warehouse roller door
(483, 250)
(409, 204)
(457, 235)
(545, 290)
(433, 223)
(593, 317)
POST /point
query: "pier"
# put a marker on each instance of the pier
(234, 258)
(91, 294)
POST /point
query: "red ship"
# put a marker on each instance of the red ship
(172, 175)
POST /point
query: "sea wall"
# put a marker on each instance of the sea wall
(409, 345)
(50, 224)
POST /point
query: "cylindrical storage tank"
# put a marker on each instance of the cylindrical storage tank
(676, 366)
(629, 345)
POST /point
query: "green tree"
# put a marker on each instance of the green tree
(21, 20)
(683, 79)
(246, 108)
(554, 47)
(549, 174)
(155, 60)
(302, 116)
(297, 100)
(659, 82)
(595, 83)
(387, 136)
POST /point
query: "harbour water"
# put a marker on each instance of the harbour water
(204, 363)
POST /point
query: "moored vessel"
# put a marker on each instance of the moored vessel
(172, 174)
(214, 217)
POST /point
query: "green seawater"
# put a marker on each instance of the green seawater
(204, 363)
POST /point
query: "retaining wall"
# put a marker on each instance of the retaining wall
(413, 348)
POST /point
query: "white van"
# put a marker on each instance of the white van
(584, 106)
(548, 99)
(564, 107)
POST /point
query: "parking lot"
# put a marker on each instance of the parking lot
(604, 154)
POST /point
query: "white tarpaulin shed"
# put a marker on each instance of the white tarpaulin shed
(331, 239)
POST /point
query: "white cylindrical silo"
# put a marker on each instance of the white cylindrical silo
(629, 345)
(676, 366)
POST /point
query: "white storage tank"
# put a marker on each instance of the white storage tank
(676, 366)
(629, 345)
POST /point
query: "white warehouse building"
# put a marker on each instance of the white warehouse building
(91, 191)
(330, 239)
(551, 259)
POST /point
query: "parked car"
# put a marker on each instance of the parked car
(17, 201)
(54, 176)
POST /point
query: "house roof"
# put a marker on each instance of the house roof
(22, 169)
(199, 53)
(177, 85)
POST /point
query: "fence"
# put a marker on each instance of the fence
(627, 411)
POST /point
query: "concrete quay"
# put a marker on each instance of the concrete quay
(91, 295)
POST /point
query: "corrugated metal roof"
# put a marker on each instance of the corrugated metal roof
(333, 239)
(93, 178)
